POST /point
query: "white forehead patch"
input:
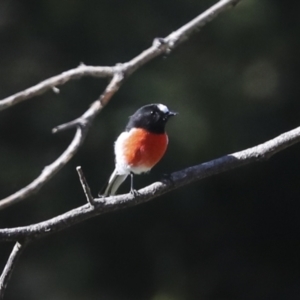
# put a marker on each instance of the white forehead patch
(163, 108)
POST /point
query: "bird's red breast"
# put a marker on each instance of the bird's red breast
(143, 148)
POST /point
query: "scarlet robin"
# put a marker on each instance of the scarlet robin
(140, 147)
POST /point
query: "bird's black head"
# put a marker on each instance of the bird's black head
(152, 117)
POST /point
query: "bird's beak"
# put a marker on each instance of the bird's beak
(172, 114)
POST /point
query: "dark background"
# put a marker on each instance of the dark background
(235, 85)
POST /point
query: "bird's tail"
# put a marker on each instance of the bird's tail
(114, 182)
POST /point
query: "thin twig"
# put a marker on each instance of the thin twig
(85, 186)
(118, 74)
(48, 84)
(176, 180)
(10, 265)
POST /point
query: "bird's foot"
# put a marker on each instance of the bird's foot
(134, 192)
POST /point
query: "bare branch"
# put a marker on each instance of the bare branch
(85, 186)
(176, 180)
(53, 82)
(162, 46)
(10, 265)
(159, 47)
(194, 25)
(118, 74)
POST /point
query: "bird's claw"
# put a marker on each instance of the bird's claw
(134, 192)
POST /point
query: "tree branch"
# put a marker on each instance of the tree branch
(10, 265)
(51, 83)
(159, 47)
(176, 180)
(118, 73)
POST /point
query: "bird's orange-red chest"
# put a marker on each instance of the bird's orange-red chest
(143, 148)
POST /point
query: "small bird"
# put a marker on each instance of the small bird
(140, 147)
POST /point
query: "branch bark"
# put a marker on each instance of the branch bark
(175, 180)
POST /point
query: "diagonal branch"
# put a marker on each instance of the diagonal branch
(159, 47)
(118, 73)
(10, 265)
(176, 180)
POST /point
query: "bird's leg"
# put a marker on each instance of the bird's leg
(132, 190)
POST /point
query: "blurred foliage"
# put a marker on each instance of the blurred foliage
(235, 84)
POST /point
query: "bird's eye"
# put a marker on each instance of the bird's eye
(152, 112)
